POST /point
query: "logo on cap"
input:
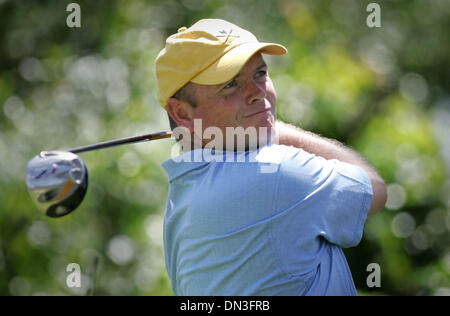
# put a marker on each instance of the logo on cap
(228, 36)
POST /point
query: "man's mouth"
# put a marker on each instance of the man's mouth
(259, 112)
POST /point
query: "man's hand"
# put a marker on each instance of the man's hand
(290, 135)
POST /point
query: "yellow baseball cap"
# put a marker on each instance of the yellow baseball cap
(209, 52)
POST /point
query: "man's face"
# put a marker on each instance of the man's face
(247, 100)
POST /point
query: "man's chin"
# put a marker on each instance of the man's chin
(265, 137)
(264, 119)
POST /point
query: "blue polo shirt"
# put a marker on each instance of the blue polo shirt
(265, 222)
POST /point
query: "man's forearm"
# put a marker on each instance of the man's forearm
(290, 135)
(331, 149)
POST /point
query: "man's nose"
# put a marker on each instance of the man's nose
(256, 91)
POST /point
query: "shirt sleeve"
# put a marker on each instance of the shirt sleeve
(326, 198)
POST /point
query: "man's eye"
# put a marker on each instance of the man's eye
(261, 73)
(229, 85)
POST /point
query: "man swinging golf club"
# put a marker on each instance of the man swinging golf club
(232, 227)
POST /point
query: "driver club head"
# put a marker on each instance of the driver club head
(57, 181)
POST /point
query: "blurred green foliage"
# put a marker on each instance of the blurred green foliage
(384, 91)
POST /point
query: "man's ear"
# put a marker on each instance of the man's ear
(181, 112)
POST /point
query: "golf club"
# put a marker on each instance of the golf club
(57, 180)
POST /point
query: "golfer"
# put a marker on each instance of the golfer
(273, 219)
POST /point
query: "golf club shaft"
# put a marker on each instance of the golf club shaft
(122, 141)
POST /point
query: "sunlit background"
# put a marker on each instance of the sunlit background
(383, 91)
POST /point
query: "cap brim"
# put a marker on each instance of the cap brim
(229, 65)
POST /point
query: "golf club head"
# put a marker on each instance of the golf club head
(57, 181)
